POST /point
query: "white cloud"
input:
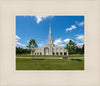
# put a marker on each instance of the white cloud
(58, 41)
(27, 41)
(79, 45)
(18, 44)
(62, 45)
(66, 40)
(41, 18)
(77, 42)
(71, 28)
(81, 23)
(80, 37)
(41, 44)
(17, 38)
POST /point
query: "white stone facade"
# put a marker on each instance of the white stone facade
(50, 49)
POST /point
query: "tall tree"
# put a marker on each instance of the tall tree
(32, 45)
(71, 47)
(80, 50)
(83, 49)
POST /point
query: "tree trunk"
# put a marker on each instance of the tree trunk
(31, 52)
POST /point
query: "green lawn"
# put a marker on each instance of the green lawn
(49, 64)
(26, 55)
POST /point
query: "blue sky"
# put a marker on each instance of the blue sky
(63, 28)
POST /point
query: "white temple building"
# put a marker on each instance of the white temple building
(50, 48)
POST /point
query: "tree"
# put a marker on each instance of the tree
(20, 50)
(80, 50)
(32, 45)
(71, 47)
(83, 49)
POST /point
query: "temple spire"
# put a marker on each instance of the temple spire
(50, 32)
(50, 29)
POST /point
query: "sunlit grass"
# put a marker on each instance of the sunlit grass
(27, 55)
(49, 64)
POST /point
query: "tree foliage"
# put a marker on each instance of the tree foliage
(22, 51)
(73, 49)
(80, 50)
(71, 46)
(32, 44)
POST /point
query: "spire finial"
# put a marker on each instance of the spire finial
(50, 32)
(50, 29)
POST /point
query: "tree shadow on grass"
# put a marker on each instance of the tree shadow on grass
(76, 59)
(37, 59)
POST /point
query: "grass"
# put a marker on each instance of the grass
(26, 55)
(49, 64)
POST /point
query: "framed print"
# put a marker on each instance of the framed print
(49, 43)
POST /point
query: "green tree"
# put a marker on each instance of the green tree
(80, 50)
(71, 47)
(32, 45)
(22, 51)
(83, 49)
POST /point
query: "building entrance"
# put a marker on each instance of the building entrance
(46, 51)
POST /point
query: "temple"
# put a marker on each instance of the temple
(50, 48)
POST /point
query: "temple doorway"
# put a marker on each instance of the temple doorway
(46, 51)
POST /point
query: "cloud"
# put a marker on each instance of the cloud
(66, 40)
(41, 44)
(79, 45)
(80, 37)
(18, 44)
(62, 45)
(71, 28)
(41, 18)
(17, 38)
(58, 41)
(27, 41)
(81, 23)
